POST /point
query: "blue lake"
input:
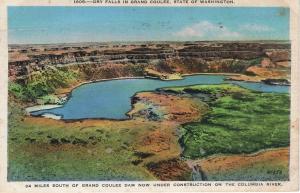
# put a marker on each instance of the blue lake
(112, 99)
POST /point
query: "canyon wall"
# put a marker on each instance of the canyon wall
(101, 60)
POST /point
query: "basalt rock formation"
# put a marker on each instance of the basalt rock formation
(99, 60)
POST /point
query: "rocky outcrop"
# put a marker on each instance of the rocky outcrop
(173, 169)
(277, 82)
(191, 57)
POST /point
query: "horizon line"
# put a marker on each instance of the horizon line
(147, 41)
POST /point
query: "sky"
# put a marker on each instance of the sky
(35, 25)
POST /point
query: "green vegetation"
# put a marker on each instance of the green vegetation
(255, 61)
(48, 99)
(65, 151)
(239, 121)
(208, 89)
(240, 66)
(233, 65)
(61, 151)
(42, 84)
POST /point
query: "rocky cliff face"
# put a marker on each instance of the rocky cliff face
(114, 60)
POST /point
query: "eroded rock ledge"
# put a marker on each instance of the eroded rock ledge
(99, 60)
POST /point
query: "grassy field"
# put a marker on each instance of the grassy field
(239, 121)
(54, 150)
(55, 153)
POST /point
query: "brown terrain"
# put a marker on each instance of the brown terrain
(226, 164)
(256, 60)
(155, 119)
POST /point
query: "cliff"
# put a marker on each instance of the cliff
(94, 61)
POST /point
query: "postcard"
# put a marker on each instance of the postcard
(149, 96)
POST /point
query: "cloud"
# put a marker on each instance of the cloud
(208, 30)
(255, 28)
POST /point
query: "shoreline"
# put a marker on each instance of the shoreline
(144, 77)
(69, 90)
(34, 108)
(31, 109)
(213, 73)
